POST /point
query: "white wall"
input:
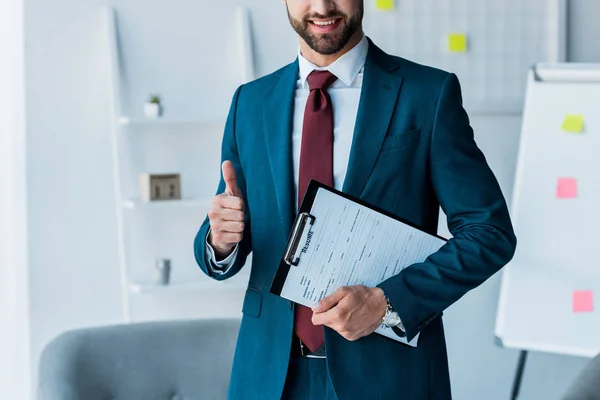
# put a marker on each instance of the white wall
(72, 215)
(74, 278)
(584, 31)
(14, 304)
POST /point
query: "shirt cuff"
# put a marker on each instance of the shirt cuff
(219, 267)
(401, 326)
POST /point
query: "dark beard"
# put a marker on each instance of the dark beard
(329, 43)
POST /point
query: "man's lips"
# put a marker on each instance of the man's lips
(325, 25)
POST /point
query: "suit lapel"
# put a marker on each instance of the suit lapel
(278, 123)
(380, 91)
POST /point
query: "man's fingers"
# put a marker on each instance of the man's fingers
(232, 215)
(319, 319)
(227, 237)
(330, 301)
(329, 318)
(327, 312)
(225, 214)
(230, 178)
(227, 201)
(231, 226)
(231, 202)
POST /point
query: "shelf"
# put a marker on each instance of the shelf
(186, 129)
(135, 204)
(151, 287)
(148, 122)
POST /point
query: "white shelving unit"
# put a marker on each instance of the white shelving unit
(148, 230)
(153, 288)
(126, 121)
(136, 204)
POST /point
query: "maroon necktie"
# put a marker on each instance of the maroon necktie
(316, 162)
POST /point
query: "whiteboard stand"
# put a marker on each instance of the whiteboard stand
(519, 375)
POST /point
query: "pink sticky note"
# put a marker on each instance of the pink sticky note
(566, 188)
(583, 301)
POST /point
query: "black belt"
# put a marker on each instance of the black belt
(299, 349)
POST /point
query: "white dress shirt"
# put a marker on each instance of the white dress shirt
(345, 97)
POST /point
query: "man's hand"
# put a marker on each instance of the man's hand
(226, 215)
(352, 311)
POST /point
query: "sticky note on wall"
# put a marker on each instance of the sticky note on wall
(573, 123)
(384, 4)
(566, 188)
(457, 43)
(583, 301)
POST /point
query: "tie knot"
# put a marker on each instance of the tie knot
(320, 80)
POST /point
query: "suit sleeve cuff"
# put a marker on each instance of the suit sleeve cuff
(219, 267)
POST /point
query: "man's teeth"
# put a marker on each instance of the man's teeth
(318, 23)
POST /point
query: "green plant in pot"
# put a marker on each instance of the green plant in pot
(153, 107)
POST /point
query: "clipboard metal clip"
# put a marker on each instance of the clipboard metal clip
(299, 236)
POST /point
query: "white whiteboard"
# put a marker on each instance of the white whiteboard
(505, 37)
(557, 262)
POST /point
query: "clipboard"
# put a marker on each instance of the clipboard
(328, 233)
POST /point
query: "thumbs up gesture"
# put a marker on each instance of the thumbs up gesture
(226, 215)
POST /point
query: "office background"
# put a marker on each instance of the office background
(72, 244)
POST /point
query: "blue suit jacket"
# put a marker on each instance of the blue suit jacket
(413, 150)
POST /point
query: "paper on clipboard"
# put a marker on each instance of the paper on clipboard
(338, 241)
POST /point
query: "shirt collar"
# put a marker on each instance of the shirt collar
(345, 68)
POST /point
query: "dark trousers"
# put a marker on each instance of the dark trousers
(308, 379)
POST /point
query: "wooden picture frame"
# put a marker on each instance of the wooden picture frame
(156, 187)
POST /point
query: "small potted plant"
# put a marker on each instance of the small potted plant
(153, 107)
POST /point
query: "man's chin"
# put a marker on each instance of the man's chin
(326, 47)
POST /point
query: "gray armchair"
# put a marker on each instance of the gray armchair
(587, 384)
(152, 361)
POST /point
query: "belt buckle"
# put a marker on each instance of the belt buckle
(305, 353)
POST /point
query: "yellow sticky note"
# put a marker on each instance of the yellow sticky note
(457, 43)
(385, 4)
(573, 123)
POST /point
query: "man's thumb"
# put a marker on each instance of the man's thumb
(231, 186)
(328, 302)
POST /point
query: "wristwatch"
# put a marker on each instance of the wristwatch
(391, 319)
